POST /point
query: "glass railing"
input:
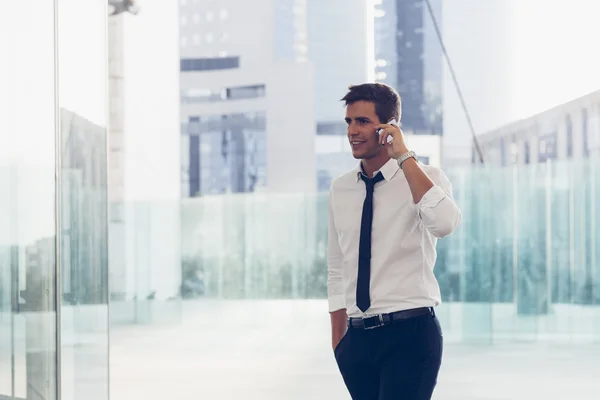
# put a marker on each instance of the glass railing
(523, 264)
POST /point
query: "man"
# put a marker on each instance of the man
(384, 221)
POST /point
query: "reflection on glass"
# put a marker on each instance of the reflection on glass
(27, 202)
(84, 259)
(83, 218)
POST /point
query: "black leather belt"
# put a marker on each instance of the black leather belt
(375, 321)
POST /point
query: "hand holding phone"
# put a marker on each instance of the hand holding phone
(390, 122)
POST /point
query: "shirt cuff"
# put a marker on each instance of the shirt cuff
(336, 303)
(432, 198)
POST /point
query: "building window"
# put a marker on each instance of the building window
(547, 147)
(584, 132)
(245, 92)
(513, 151)
(224, 94)
(209, 64)
(569, 137)
(502, 152)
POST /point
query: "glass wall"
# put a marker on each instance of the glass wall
(53, 225)
(28, 227)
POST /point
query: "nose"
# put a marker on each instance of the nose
(352, 131)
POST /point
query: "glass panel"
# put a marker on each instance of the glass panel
(595, 246)
(580, 321)
(502, 235)
(560, 249)
(27, 201)
(451, 265)
(532, 291)
(83, 79)
(254, 247)
(8, 284)
(151, 283)
(477, 278)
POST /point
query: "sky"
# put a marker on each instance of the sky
(556, 57)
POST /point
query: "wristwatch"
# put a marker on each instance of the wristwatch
(406, 156)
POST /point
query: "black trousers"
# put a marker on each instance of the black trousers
(399, 361)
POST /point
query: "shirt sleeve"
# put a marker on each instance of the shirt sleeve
(437, 208)
(335, 257)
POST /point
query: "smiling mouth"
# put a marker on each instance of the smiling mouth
(356, 142)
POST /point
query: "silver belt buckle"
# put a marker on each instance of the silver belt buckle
(377, 319)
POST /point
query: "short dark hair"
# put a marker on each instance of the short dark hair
(387, 101)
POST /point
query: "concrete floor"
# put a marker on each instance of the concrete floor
(281, 350)
(274, 350)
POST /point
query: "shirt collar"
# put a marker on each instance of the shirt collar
(388, 170)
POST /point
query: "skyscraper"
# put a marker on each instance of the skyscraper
(244, 78)
(409, 58)
(340, 46)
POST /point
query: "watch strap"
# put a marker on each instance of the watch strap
(406, 156)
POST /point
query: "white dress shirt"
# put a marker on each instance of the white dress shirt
(403, 240)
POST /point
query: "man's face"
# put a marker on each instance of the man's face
(362, 120)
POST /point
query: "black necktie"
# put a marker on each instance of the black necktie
(363, 300)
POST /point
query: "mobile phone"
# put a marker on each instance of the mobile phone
(390, 122)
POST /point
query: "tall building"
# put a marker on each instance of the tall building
(409, 58)
(568, 131)
(247, 97)
(340, 46)
(478, 39)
